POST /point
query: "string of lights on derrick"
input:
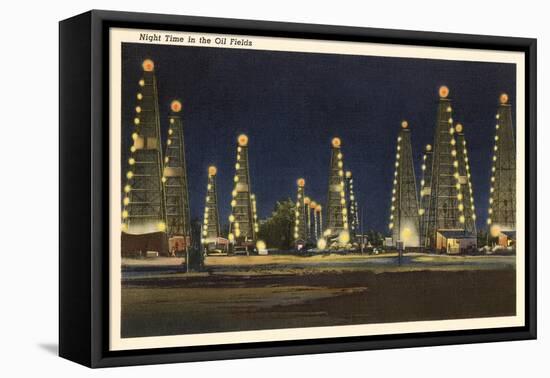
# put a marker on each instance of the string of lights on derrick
(393, 207)
(503, 101)
(459, 195)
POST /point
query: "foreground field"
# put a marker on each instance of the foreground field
(261, 292)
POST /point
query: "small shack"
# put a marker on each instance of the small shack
(507, 238)
(454, 242)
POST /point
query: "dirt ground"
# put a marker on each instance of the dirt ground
(158, 299)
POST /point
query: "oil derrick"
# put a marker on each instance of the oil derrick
(312, 217)
(465, 179)
(175, 184)
(445, 194)
(318, 221)
(241, 226)
(300, 216)
(502, 197)
(337, 227)
(144, 209)
(353, 209)
(425, 190)
(404, 217)
(211, 221)
(307, 212)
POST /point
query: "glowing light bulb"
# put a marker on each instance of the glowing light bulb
(148, 65)
(161, 226)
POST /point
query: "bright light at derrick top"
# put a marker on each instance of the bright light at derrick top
(504, 98)
(459, 128)
(212, 171)
(336, 142)
(175, 106)
(148, 65)
(443, 91)
(243, 140)
(404, 124)
(301, 182)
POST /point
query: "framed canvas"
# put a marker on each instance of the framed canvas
(234, 188)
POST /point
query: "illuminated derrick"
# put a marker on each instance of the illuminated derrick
(175, 183)
(307, 202)
(353, 209)
(144, 208)
(337, 213)
(318, 218)
(241, 226)
(425, 190)
(502, 197)
(404, 215)
(467, 205)
(211, 221)
(300, 216)
(312, 216)
(446, 193)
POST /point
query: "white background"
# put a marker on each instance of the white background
(29, 187)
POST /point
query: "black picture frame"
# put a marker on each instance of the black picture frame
(84, 192)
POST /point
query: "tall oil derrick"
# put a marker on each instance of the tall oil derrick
(307, 202)
(425, 191)
(502, 197)
(404, 217)
(175, 183)
(255, 213)
(300, 216)
(144, 209)
(313, 234)
(211, 221)
(241, 226)
(465, 179)
(445, 194)
(318, 222)
(353, 209)
(336, 209)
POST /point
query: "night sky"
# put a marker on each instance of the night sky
(292, 104)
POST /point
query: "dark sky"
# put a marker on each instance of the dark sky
(292, 104)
